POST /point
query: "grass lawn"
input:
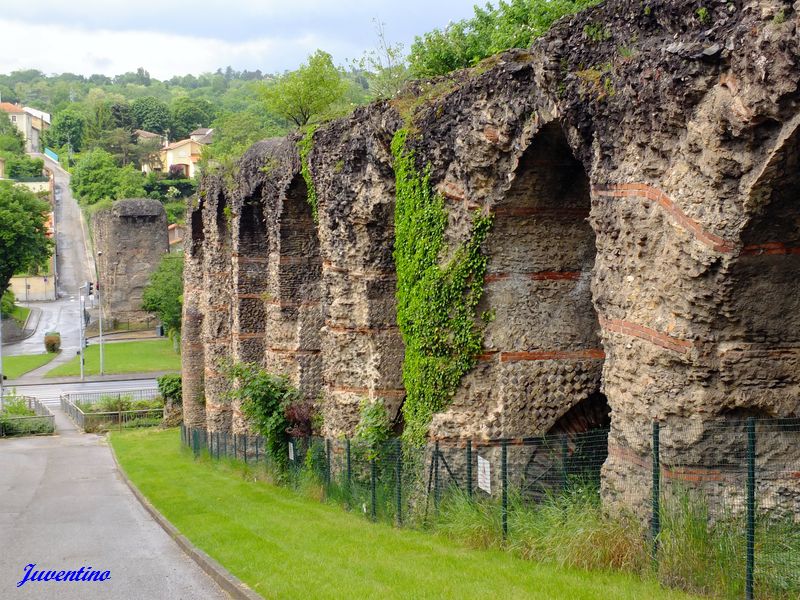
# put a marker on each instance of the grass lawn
(284, 545)
(124, 357)
(16, 366)
(20, 314)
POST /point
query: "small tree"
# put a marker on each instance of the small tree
(67, 130)
(385, 66)
(307, 93)
(163, 295)
(151, 114)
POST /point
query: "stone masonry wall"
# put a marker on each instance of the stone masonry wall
(643, 184)
(130, 239)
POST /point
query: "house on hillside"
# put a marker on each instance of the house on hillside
(180, 156)
(154, 161)
(30, 121)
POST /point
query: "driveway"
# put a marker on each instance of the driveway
(63, 506)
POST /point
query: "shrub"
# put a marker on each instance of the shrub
(7, 303)
(52, 341)
(170, 388)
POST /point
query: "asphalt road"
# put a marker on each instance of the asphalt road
(63, 506)
(73, 269)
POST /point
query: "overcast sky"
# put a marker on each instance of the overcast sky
(169, 37)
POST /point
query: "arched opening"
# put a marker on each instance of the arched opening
(543, 335)
(251, 279)
(293, 313)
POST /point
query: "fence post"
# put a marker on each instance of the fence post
(469, 468)
(398, 477)
(436, 476)
(225, 442)
(258, 437)
(373, 475)
(235, 449)
(327, 465)
(655, 517)
(751, 507)
(194, 443)
(245, 448)
(564, 457)
(349, 465)
(504, 476)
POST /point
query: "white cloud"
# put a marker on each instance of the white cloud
(110, 52)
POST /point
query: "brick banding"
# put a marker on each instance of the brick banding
(643, 190)
(391, 392)
(769, 248)
(647, 334)
(251, 260)
(295, 352)
(363, 273)
(292, 303)
(588, 354)
(538, 276)
(550, 212)
(360, 329)
(249, 336)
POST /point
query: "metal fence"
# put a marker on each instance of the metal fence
(75, 404)
(43, 422)
(711, 507)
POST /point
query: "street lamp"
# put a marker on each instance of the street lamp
(100, 304)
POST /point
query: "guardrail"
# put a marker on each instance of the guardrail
(98, 421)
(43, 423)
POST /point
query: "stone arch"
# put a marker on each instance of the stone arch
(759, 332)
(542, 348)
(292, 306)
(251, 280)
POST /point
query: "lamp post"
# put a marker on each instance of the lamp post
(100, 305)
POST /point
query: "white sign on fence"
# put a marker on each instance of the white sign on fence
(291, 451)
(484, 475)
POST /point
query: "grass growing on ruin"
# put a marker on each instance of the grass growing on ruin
(284, 545)
(16, 366)
(124, 357)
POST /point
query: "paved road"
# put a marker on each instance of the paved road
(74, 268)
(63, 506)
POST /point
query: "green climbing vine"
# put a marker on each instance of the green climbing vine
(436, 304)
(305, 145)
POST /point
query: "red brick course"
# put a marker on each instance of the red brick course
(643, 190)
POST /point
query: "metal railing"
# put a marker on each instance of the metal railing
(91, 421)
(42, 423)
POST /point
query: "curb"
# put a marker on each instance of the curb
(88, 379)
(33, 312)
(229, 583)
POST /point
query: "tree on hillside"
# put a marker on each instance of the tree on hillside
(189, 114)
(151, 114)
(24, 245)
(67, 129)
(307, 93)
(512, 24)
(96, 177)
(163, 294)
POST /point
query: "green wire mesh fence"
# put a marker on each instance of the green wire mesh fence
(711, 507)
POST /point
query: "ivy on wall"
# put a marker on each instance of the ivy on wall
(305, 145)
(436, 304)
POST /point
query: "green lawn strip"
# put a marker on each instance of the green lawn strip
(16, 366)
(287, 546)
(20, 314)
(124, 357)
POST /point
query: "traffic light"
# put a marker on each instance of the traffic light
(90, 288)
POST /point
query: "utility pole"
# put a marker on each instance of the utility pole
(2, 376)
(100, 305)
(82, 303)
